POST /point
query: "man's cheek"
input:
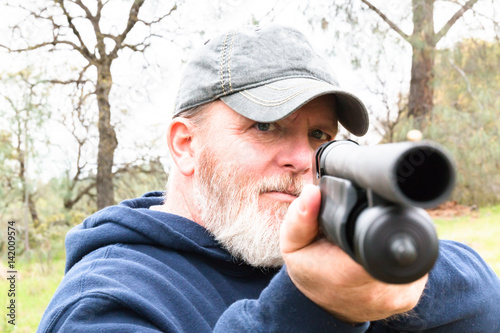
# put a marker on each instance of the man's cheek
(251, 159)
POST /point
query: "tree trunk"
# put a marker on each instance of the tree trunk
(33, 211)
(423, 41)
(420, 102)
(421, 96)
(107, 138)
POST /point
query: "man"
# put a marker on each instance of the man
(234, 245)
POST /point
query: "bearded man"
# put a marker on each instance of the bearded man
(234, 245)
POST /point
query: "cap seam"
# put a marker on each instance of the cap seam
(222, 64)
(229, 61)
(263, 83)
(268, 103)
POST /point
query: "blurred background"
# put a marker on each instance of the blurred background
(87, 88)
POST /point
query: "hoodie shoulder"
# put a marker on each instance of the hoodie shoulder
(119, 285)
(147, 200)
(158, 267)
(132, 222)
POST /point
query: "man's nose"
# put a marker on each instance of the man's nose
(296, 155)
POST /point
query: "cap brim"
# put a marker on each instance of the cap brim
(277, 100)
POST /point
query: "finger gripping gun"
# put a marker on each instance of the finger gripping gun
(373, 200)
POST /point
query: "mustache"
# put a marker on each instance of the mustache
(292, 185)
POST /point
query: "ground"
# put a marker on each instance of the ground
(452, 209)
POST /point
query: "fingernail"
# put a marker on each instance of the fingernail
(302, 203)
(302, 198)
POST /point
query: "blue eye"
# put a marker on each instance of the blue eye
(320, 135)
(265, 127)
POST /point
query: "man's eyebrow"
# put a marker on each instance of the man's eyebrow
(327, 126)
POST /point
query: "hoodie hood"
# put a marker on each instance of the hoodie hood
(132, 222)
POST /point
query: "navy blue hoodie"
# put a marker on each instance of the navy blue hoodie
(132, 269)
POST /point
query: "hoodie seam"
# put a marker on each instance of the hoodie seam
(82, 293)
(94, 263)
(83, 296)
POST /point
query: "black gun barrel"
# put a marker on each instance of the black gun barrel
(372, 200)
(417, 174)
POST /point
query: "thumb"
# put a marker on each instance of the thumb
(300, 226)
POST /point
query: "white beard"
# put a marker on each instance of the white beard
(228, 206)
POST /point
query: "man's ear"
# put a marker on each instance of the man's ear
(180, 143)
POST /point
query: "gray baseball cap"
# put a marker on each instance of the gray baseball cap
(265, 74)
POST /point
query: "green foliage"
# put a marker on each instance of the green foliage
(9, 178)
(36, 284)
(47, 238)
(24, 106)
(465, 118)
(23, 110)
(48, 218)
(468, 78)
(139, 179)
(479, 231)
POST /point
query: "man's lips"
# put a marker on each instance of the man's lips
(280, 196)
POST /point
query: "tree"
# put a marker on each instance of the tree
(465, 118)
(71, 23)
(397, 31)
(83, 181)
(467, 95)
(423, 42)
(25, 110)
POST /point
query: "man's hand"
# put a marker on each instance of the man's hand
(329, 277)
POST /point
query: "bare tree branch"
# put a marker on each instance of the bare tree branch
(80, 4)
(160, 18)
(82, 48)
(94, 20)
(38, 46)
(444, 30)
(80, 80)
(67, 31)
(387, 20)
(138, 164)
(66, 82)
(69, 203)
(82, 72)
(78, 117)
(132, 20)
(467, 83)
